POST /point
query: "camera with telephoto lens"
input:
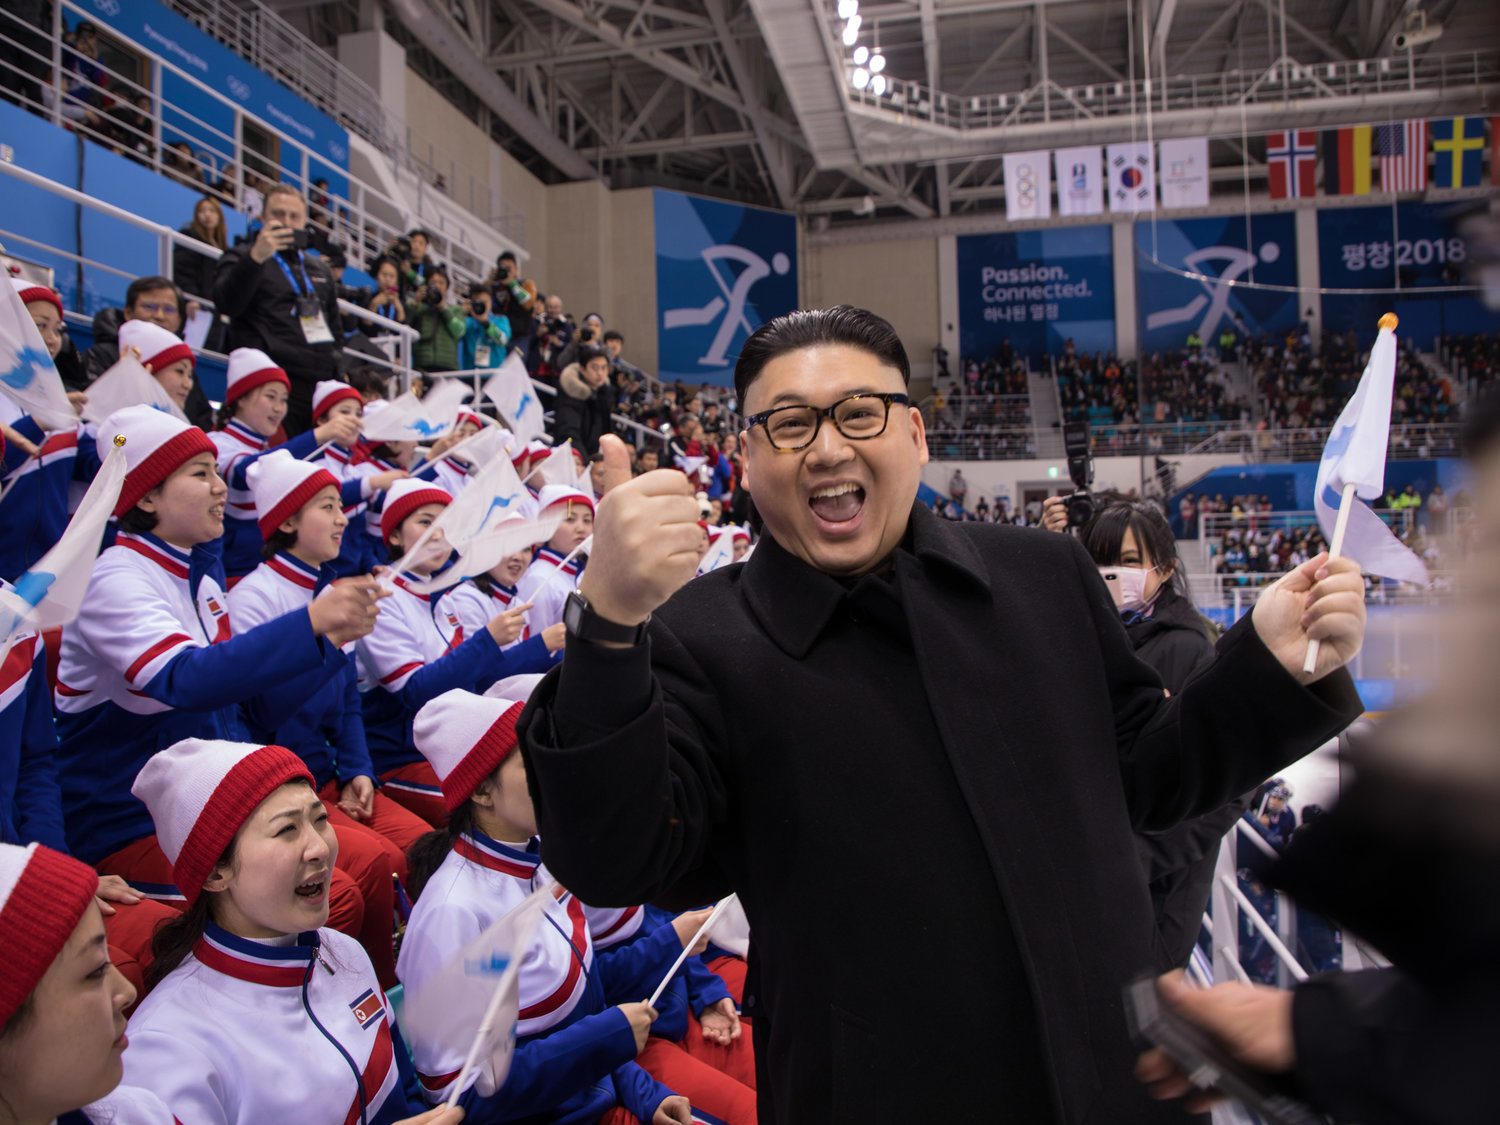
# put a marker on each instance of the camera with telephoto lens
(478, 308)
(585, 335)
(1080, 503)
(502, 271)
(432, 296)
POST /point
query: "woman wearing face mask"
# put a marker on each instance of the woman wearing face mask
(1134, 548)
(259, 1014)
(62, 1004)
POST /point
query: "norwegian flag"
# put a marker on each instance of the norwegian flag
(1402, 151)
(1292, 157)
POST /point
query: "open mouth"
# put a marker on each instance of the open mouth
(314, 890)
(217, 511)
(837, 505)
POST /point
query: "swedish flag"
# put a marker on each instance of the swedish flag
(1458, 151)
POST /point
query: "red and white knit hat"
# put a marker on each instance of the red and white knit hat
(156, 446)
(157, 347)
(465, 737)
(329, 393)
(555, 494)
(405, 497)
(250, 368)
(43, 894)
(281, 484)
(468, 414)
(30, 291)
(201, 791)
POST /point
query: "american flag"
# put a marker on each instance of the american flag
(1402, 149)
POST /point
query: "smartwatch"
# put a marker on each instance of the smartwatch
(580, 620)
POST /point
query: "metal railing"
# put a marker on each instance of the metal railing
(363, 219)
(1409, 441)
(394, 337)
(1283, 81)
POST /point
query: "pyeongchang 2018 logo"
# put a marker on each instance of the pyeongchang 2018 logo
(238, 87)
(107, 7)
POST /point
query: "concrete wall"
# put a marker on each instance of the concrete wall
(441, 136)
(898, 279)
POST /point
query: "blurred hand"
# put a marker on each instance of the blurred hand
(1324, 599)
(1252, 1022)
(687, 925)
(341, 428)
(379, 482)
(346, 611)
(676, 1110)
(641, 1016)
(19, 441)
(507, 627)
(272, 239)
(554, 636)
(720, 1022)
(357, 798)
(645, 539)
(1055, 513)
(77, 399)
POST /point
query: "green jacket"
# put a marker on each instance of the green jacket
(441, 329)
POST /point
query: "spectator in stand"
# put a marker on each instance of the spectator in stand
(614, 346)
(1437, 510)
(86, 77)
(386, 300)
(550, 336)
(1228, 345)
(440, 326)
(419, 265)
(486, 334)
(514, 297)
(194, 272)
(283, 301)
(590, 334)
(130, 128)
(585, 402)
(958, 488)
(155, 300)
(181, 163)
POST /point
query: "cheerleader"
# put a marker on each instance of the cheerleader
(471, 604)
(552, 574)
(152, 657)
(62, 1003)
(169, 360)
(452, 473)
(39, 468)
(255, 402)
(406, 660)
(333, 400)
(575, 1054)
(302, 523)
(259, 1013)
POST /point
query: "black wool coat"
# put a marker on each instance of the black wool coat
(925, 790)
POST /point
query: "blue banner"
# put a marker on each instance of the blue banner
(1402, 250)
(722, 270)
(1037, 289)
(161, 32)
(1261, 250)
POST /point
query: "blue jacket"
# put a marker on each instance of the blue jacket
(34, 510)
(30, 802)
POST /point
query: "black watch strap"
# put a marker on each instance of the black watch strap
(582, 622)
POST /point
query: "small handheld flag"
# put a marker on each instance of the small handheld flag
(27, 374)
(708, 922)
(1353, 469)
(510, 389)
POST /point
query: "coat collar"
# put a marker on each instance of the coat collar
(794, 602)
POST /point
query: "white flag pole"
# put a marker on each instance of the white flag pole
(1335, 549)
(683, 956)
(313, 455)
(451, 450)
(569, 557)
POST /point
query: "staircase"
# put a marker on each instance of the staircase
(1046, 413)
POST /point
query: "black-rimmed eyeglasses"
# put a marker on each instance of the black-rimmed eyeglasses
(858, 417)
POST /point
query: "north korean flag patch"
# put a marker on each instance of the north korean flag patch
(369, 1009)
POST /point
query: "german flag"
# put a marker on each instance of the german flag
(1347, 161)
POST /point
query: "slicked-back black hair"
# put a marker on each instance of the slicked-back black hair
(807, 328)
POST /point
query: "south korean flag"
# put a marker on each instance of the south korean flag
(1132, 178)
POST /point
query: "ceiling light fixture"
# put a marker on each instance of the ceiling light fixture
(861, 55)
(851, 30)
(861, 78)
(848, 8)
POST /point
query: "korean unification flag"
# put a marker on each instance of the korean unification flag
(511, 391)
(409, 418)
(1080, 183)
(469, 1004)
(1132, 177)
(27, 374)
(50, 594)
(1028, 191)
(127, 383)
(1355, 454)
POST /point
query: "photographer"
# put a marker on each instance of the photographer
(590, 334)
(485, 334)
(585, 401)
(440, 326)
(614, 347)
(283, 301)
(551, 334)
(512, 296)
